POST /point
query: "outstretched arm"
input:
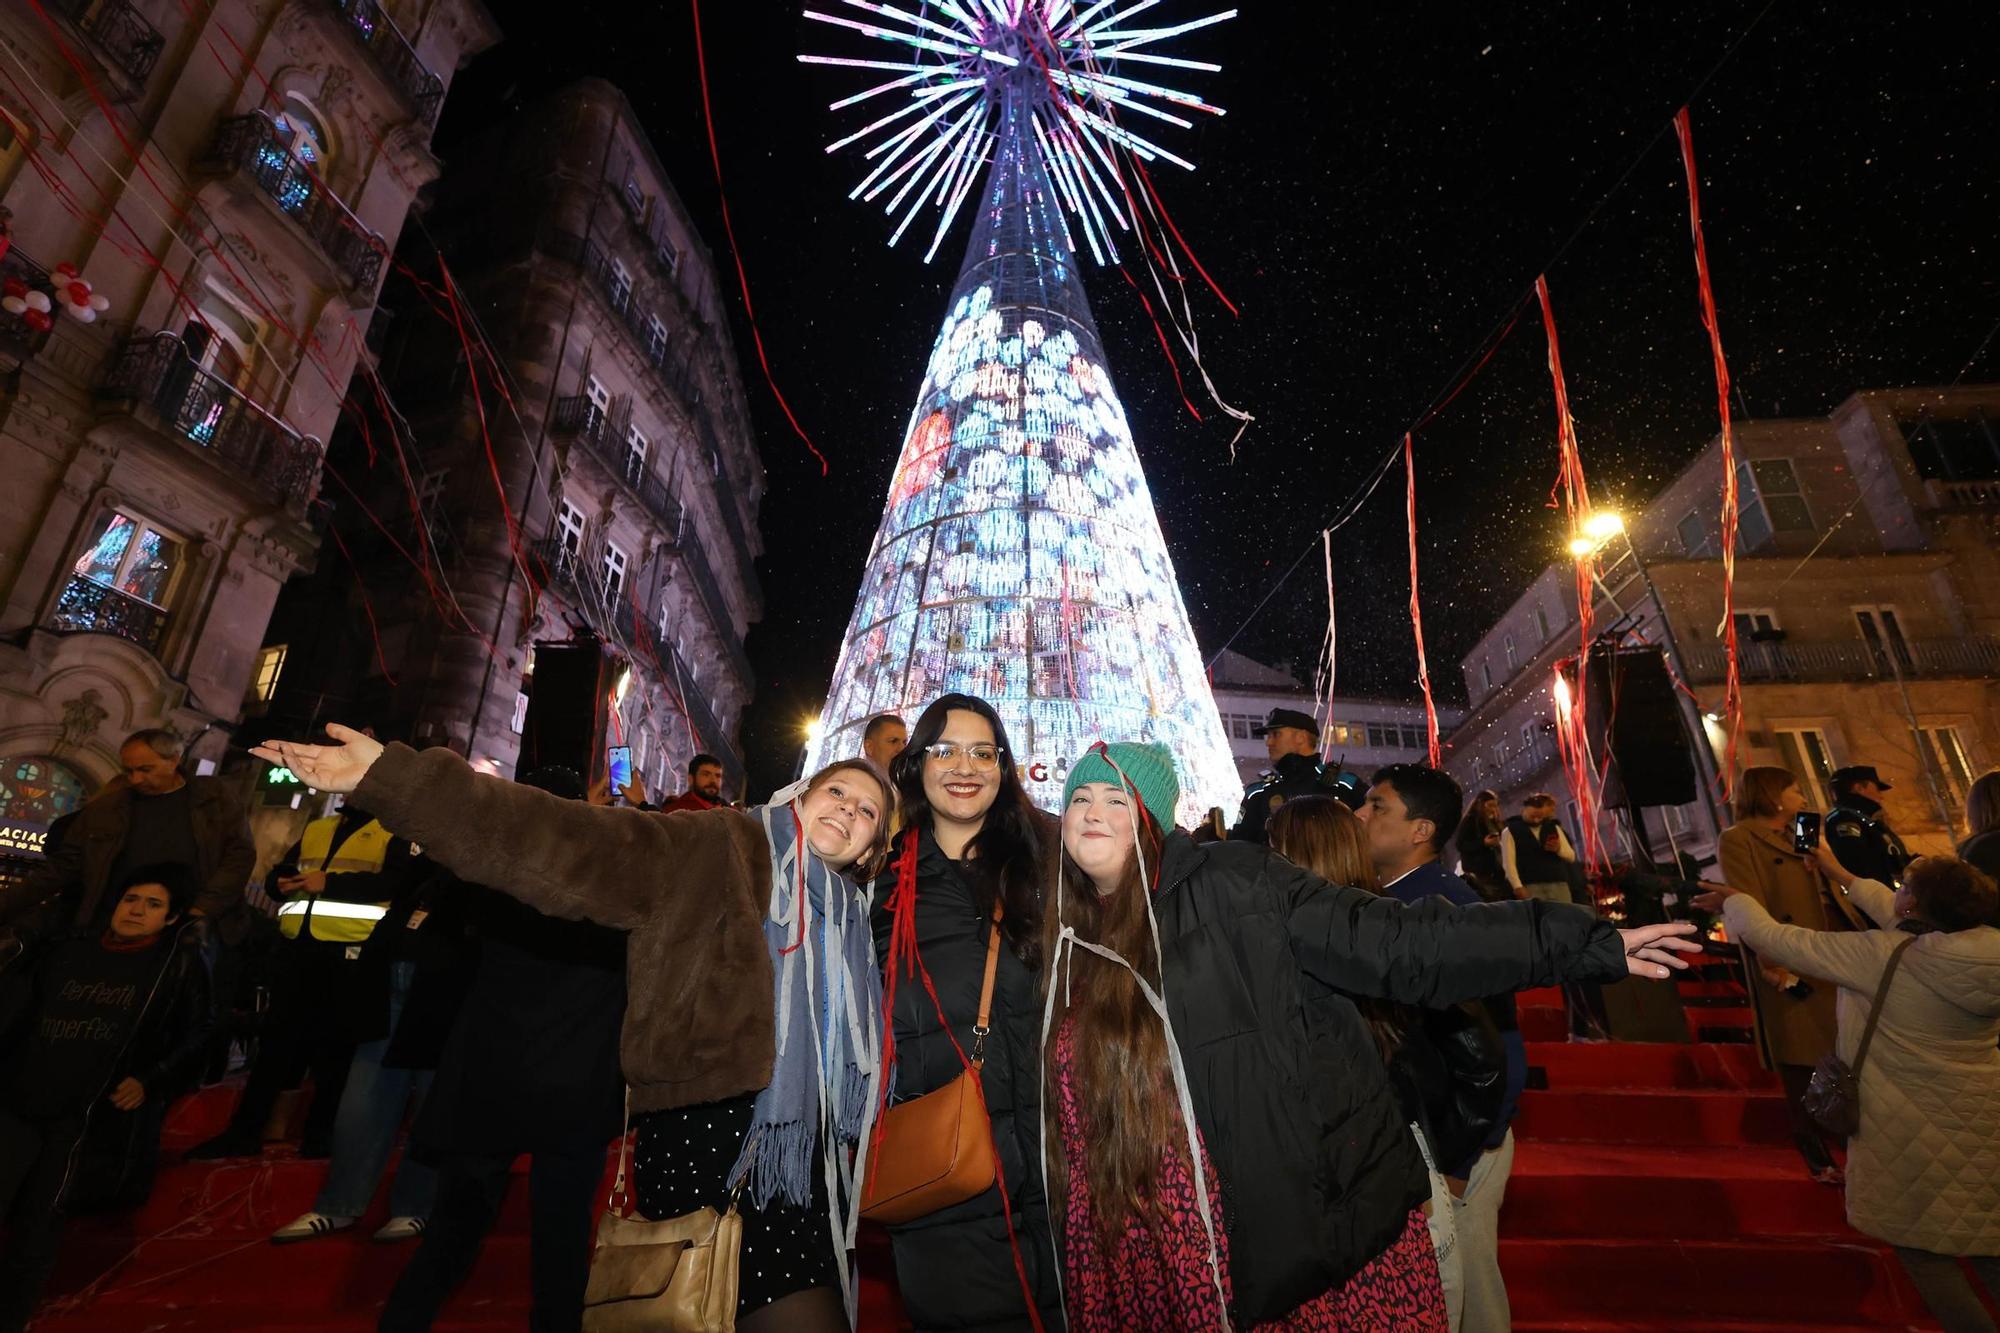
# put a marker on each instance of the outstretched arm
(1436, 953)
(567, 858)
(1847, 958)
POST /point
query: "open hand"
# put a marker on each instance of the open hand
(334, 768)
(306, 881)
(129, 1095)
(1653, 951)
(1712, 897)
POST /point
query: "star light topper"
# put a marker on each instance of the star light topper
(1057, 63)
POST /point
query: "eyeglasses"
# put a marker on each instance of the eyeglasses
(984, 758)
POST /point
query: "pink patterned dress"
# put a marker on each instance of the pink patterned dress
(1159, 1280)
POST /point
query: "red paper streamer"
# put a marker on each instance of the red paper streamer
(735, 250)
(1416, 608)
(1733, 690)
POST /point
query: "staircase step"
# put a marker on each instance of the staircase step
(1651, 1065)
(1692, 1117)
(1698, 1284)
(1591, 1190)
(1542, 1024)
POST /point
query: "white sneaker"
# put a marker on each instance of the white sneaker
(401, 1228)
(308, 1225)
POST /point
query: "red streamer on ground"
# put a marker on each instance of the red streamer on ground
(1733, 689)
(1416, 608)
(735, 250)
(1572, 735)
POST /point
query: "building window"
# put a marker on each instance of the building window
(1414, 739)
(636, 445)
(621, 285)
(270, 665)
(1944, 755)
(1769, 501)
(614, 573)
(1377, 740)
(1542, 622)
(1693, 532)
(1805, 754)
(1486, 672)
(667, 253)
(569, 530)
(599, 404)
(1512, 664)
(656, 340)
(1501, 754)
(124, 582)
(1756, 624)
(1531, 739)
(1882, 629)
(635, 198)
(1478, 769)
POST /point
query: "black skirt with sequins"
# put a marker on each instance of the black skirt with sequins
(682, 1163)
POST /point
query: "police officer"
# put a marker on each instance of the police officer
(1291, 738)
(1857, 833)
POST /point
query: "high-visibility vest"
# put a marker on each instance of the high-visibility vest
(335, 916)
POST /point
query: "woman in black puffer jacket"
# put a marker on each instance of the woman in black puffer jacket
(969, 836)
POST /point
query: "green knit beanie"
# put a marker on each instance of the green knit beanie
(1149, 769)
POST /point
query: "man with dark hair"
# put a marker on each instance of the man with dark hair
(1291, 739)
(158, 816)
(1411, 812)
(99, 1031)
(704, 785)
(1535, 853)
(884, 739)
(1858, 832)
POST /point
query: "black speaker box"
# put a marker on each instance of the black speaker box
(568, 708)
(1633, 712)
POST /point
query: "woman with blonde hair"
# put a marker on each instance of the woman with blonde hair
(1794, 1013)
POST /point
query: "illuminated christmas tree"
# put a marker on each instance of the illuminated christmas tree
(1019, 557)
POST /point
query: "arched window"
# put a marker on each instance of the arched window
(302, 132)
(36, 791)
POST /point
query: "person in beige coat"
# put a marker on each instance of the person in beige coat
(1923, 1172)
(1794, 1010)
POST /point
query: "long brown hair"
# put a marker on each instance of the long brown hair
(1759, 789)
(1120, 1065)
(1320, 834)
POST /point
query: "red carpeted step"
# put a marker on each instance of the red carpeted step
(1698, 1284)
(1541, 997)
(1540, 1024)
(1593, 1190)
(1621, 1064)
(1695, 1117)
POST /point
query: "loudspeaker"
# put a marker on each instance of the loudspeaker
(568, 708)
(1634, 714)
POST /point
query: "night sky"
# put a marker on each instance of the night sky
(1386, 185)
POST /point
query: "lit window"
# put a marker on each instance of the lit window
(569, 528)
(636, 445)
(667, 253)
(130, 556)
(599, 403)
(1806, 756)
(270, 665)
(621, 285)
(614, 572)
(656, 339)
(1944, 755)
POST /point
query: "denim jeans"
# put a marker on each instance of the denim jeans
(364, 1131)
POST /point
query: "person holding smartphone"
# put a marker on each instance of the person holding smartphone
(1794, 1013)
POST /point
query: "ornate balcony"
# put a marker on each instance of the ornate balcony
(1972, 657)
(87, 605)
(128, 43)
(154, 371)
(394, 56)
(648, 643)
(602, 436)
(20, 339)
(252, 147)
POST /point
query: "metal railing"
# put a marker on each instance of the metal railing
(394, 56)
(579, 417)
(87, 605)
(252, 145)
(131, 44)
(18, 337)
(1857, 659)
(647, 640)
(156, 370)
(1965, 494)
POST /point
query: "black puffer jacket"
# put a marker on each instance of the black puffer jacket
(1318, 1170)
(954, 1268)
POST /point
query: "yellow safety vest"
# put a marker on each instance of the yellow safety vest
(332, 916)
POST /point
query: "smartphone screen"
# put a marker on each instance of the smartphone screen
(621, 767)
(1805, 831)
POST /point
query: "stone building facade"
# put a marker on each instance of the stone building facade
(163, 458)
(1867, 612)
(613, 420)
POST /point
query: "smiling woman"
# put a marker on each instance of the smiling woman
(749, 958)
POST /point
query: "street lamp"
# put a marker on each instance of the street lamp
(811, 728)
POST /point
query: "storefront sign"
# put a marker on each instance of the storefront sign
(20, 838)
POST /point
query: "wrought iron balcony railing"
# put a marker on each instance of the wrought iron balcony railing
(394, 56)
(87, 605)
(156, 371)
(646, 640)
(20, 338)
(1853, 660)
(252, 145)
(598, 431)
(127, 41)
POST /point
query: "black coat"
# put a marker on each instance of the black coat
(954, 1268)
(1318, 1170)
(1295, 775)
(445, 955)
(1862, 843)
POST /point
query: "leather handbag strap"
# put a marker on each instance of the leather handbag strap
(620, 1201)
(1875, 1009)
(985, 1023)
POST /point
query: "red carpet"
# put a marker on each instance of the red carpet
(1653, 1189)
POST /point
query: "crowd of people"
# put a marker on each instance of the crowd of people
(1259, 1079)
